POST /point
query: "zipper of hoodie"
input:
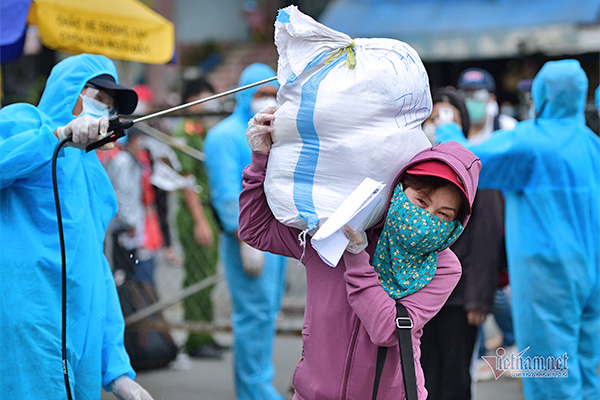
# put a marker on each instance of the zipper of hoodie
(349, 364)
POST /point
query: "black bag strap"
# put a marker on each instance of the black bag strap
(381, 355)
(403, 329)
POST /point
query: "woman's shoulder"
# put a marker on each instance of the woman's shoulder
(448, 263)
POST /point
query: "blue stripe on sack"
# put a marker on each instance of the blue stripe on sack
(309, 155)
(283, 17)
(311, 64)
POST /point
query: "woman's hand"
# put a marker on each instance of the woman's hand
(260, 129)
(358, 240)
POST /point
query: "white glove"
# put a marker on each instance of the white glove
(252, 259)
(260, 129)
(84, 130)
(358, 240)
(124, 388)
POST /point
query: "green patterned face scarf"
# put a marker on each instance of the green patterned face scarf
(406, 255)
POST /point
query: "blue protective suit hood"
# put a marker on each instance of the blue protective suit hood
(559, 90)
(67, 80)
(253, 73)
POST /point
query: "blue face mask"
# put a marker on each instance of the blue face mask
(406, 255)
(93, 107)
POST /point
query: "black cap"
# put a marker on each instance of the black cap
(125, 98)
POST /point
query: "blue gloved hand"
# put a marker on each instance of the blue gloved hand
(124, 388)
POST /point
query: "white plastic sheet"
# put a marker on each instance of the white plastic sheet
(330, 241)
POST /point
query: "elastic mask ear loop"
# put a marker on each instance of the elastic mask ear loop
(302, 240)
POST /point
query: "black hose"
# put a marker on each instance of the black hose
(64, 268)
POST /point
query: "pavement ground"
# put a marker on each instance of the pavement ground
(202, 379)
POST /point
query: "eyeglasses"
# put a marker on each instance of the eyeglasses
(100, 95)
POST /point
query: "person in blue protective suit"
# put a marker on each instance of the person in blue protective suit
(549, 169)
(256, 280)
(80, 93)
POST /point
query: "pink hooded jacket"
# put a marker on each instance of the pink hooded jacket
(348, 315)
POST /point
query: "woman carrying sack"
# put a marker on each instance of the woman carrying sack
(351, 308)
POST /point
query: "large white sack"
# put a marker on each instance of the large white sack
(336, 124)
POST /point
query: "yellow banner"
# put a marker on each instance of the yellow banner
(119, 29)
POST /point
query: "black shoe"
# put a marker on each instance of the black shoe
(207, 351)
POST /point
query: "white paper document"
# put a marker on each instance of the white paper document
(330, 241)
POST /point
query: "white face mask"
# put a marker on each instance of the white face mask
(262, 103)
(93, 108)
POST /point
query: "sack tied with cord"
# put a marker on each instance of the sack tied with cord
(349, 109)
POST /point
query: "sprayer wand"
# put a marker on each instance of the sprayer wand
(116, 127)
